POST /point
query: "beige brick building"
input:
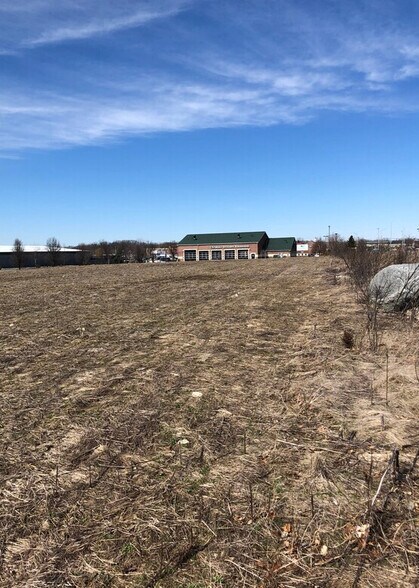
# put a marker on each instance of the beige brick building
(229, 246)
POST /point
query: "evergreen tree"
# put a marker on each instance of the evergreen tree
(351, 242)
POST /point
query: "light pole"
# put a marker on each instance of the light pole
(328, 241)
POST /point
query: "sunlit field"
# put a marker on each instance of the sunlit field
(204, 425)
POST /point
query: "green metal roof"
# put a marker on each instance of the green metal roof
(281, 244)
(221, 238)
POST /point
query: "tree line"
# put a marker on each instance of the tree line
(124, 251)
(402, 248)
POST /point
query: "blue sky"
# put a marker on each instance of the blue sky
(152, 119)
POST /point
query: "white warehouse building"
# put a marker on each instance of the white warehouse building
(38, 255)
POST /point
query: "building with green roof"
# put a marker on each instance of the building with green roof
(281, 247)
(229, 246)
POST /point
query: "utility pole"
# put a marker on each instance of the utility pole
(378, 239)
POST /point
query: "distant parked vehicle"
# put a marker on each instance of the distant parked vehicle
(163, 258)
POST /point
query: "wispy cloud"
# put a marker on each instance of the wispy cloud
(213, 66)
(101, 26)
(11, 156)
(54, 121)
(31, 23)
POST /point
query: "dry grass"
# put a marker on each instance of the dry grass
(204, 425)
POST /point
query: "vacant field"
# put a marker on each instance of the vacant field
(204, 425)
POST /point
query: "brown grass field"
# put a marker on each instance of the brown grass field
(205, 426)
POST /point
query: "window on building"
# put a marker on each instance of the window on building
(203, 256)
(243, 254)
(216, 254)
(190, 254)
(229, 254)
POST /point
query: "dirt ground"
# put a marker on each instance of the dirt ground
(205, 425)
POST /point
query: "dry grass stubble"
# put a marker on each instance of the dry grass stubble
(203, 425)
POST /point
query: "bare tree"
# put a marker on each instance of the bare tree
(85, 254)
(54, 248)
(172, 248)
(140, 251)
(150, 247)
(121, 252)
(337, 246)
(106, 250)
(19, 252)
(319, 246)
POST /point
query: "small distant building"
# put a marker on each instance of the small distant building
(282, 247)
(304, 248)
(37, 256)
(223, 246)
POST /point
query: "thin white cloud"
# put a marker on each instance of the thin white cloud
(31, 23)
(100, 27)
(53, 121)
(10, 156)
(23, 6)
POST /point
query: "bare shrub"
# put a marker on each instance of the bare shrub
(362, 264)
(348, 339)
(372, 308)
(319, 247)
